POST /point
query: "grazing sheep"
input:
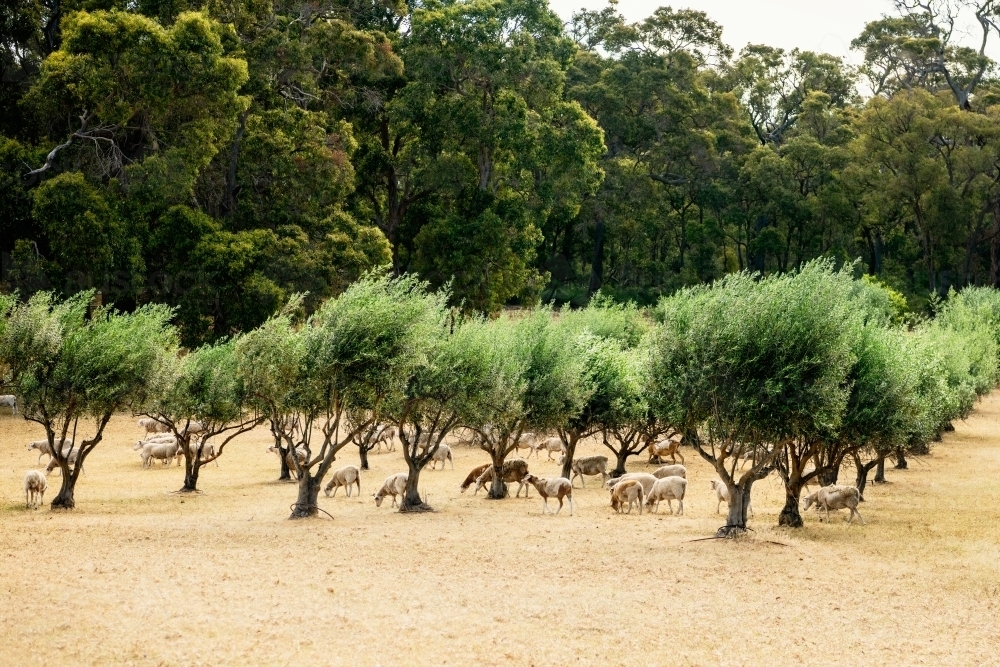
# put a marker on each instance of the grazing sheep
(385, 436)
(159, 439)
(512, 471)
(676, 470)
(194, 428)
(43, 448)
(9, 401)
(668, 488)
(300, 454)
(34, 489)
(394, 485)
(53, 464)
(207, 451)
(553, 444)
(722, 496)
(629, 491)
(558, 487)
(669, 447)
(151, 425)
(161, 451)
(643, 478)
(589, 465)
(442, 454)
(526, 441)
(346, 477)
(835, 497)
(473, 476)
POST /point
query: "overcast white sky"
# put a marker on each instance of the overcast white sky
(814, 25)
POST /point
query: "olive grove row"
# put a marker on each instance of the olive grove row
(796, 374)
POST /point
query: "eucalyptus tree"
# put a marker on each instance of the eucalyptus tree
(204, 386)
(538, 383)
(72, 370)
(355, 352)
(746, 366)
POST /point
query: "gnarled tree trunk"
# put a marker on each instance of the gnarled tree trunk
(572, 437)
(498, 489)
(790, 515)
(307, 503)
(880, 470)
(363, 450)
(65, 499)
(901, 459)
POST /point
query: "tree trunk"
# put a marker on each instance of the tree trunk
(829, 476)
(900, 459)
(412, 501)
(790, 515)
(862, 479)
(736, 518)
(498, 490)
(307, 503)
(64, 499)
(597, 265)
(363, 452)
(567, 469)
(620, 457)
(191, 470)
(880, 470)
(286, 473)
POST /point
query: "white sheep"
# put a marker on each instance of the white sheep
(150, 425)
(643, 478)
(346, 477)
(43, 448)
(588, 465)
(549, 445)
(558, 487)
(159, 450)
(442, 454)
(674, 470)
(668, 488)
(207, 451)
(300, 454)
(394, 485)
(34, 489)
(54, 464)
(9, 401)
(629, 491)
(722, 495)
(835, 497)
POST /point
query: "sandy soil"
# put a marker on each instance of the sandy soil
(138, 575)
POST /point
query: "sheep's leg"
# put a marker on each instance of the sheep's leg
(571, 505)
(583, 482)
(560, 505)
(854, 509)
(680, 505)
(670, 504)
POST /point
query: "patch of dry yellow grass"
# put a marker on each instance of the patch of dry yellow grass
(141, 576)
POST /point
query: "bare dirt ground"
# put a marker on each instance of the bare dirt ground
(138, 575)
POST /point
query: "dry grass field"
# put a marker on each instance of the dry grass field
(138, 575)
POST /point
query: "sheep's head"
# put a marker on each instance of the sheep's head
(378, 499)
(808, 501)
(615, 503)
(34, 445)
(138, 445)
(529, 478)
(715, 484)
(562, 459)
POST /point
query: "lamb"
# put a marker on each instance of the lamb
(671, 471)
(550, 445)
(43, 448)
(835, 497)
(9, 401)
(512, 471)
(669, 447)
(558, 487)
(643, 478)
(590, 465)
(34, 489)
(668, 488)
(73, 454)
(151, 425)
(473, 476)
(629, 491)
(394, 485)
(722, 496)
(346, 477)
(442, 454)
(160, 450)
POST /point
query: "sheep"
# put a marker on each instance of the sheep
(553, 444)
(346, 477)
(300, 454)
(34, 489)
(72, 454)
(643, 478)
(442, 454)
(43, 448)
(207, 451)
(511, 471)
(160, 450)
(473, 476)
(194, 428)
(676, 470)
(669, 447)
(668, 488)
(385, 435)
(159, 439)
(835, 497)
(590, 465)
(151, 425)
(722, 496)
(558, 487)
(526, 441)
(394, 485)
(9, 401)
(628, 491)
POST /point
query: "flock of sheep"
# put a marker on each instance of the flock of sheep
(638, 490)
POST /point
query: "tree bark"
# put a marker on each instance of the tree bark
(862, 478)
(363, 453)
(830, 476)
(412, 502)
(191, 470)
(306, 505)
(900, 459)
(498, 489)
(736, 517)
(790, 515)
(880, 470)
(570, 443)
(286, 473)
(620, 457)
(65, 499)
(597, 265)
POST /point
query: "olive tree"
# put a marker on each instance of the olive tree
(354, 353)
(73, 367)
(203, 386)
(747, 365)
(620, 402)
(544, 386)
